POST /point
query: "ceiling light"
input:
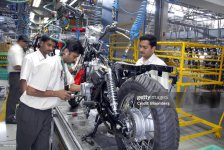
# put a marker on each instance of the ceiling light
(17, 1)
(36, 3)
(63, 1)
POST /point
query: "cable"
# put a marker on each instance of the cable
(115, 10)
(77, 28)
(131, 13)
(135, 30)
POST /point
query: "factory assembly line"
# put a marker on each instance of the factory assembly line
(99, 93)
(105, 89)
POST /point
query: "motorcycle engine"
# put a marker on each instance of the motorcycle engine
(96, 72)
(95, 75)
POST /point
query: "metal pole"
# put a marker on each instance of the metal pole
(158, 14)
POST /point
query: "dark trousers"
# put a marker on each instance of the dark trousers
(14, 94)
(33, 128)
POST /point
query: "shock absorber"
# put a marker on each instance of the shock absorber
(111, 88)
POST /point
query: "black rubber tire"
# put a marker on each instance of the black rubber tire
(166, 125)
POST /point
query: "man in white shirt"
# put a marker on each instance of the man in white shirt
(147, 47)
(15, 58)
(33, 59)
(45, 90)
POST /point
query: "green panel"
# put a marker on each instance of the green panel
(4, 53)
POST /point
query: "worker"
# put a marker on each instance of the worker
(147, 48)
(45, 90)
(33, 59)
(15, 57)
(78, 49)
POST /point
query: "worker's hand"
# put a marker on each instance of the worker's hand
(64, 95)
(75, 88)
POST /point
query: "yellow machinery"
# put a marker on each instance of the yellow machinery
(118, 44)
(193, 61)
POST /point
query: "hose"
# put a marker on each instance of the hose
(134, 33)
(77, 28)
(115, 10)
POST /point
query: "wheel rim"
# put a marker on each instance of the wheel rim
(140, 123)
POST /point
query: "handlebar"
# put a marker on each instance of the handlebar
(113, 28)
(122, 30)
(143, 68)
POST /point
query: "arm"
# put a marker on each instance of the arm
(70, 79)
(26, 70)
(38, 85)
(74, 88)
(62, 94)
(23, 85)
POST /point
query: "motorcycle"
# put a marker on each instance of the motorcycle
(112, 89)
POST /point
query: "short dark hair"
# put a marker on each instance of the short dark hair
(151, 38)
(45, 38)
(23, 38)
(75, 46)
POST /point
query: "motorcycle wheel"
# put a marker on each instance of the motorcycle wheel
(164, 121)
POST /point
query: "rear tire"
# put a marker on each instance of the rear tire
(166, 125)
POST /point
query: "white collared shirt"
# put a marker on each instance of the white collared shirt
(15, 57)
(48, 75)
(164, 79)
(30, 61)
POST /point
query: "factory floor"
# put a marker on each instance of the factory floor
(201, 109)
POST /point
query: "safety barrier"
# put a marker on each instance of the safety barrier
(118, 44)
(202, 63)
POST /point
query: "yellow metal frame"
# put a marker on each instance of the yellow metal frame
(194, 73)
(117, 45)
(215, 129)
